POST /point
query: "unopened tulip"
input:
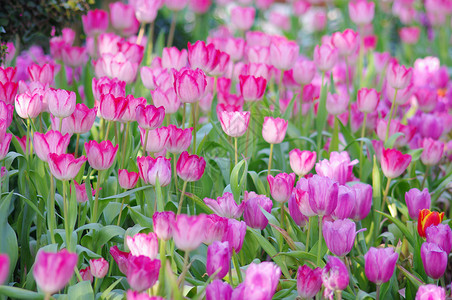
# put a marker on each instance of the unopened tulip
(363, 201)
(235, 123)
(431, 292)
(86, 274)
(112, 108)
(394, 163)
(335, 275)
(416, 201)
(309, 281)
(283, 53)
(7, 74)
(261, 280)
(98, 267)
(130, 113)
(51, 142)
(304, 71)
(302, 162)
(323, 193)
(274, 130)
(188, 231)
(346, 42)
(203, 56)
(252, 88)
(281, 186)
(65, 166)
(252, 214)
(380, 264)
(361, 12)
(74, 57)
(243, 17)
(105, 85)
(80, 192)
(8, 91)
(440, 235)
(146, 10)
(156, 139)
(218, 259)
(4, 145)
(29, 105)
(61, 102)
(166, 99)
(226, 206)
(336, 104)
(4, 267)
(173, 58)
(116, 66)
(434, 260)
(433, 151)
(339, 167)
(121, 258)
(218, 290)
(163, 224)
(82, 119)
(345, 203)
(143, 244)
(398, 76)
(426, 219)
(409, 35)
(295, 211)
(368, 100)
(149, 116)
(52, 271)
(235, 234)
(179, 139)
(44, 74)
(325, 57)
(122, 16)
(161, 169)
(190, 167)
(142, 272)
(95, 22)
(190, 85)
(215, 228)
(339, 236)
(101, 155)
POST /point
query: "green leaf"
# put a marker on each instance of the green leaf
(401, 226)
(391, 141)
(321, 113)
(17, 293)
(257, 183)
(302, 255)
(106, 234)
(81, 291)
(128, 193)
(237, 186)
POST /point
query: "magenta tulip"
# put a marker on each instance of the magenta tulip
(51, 142)
(82, 119)
(121, 258)
(434, 259)
(235, 234)
(130, 113)
(440, 235)
(161, 169)
(190, 167)
(44, 74)
(394, 163)
(4, 268)
(309, 281)
(163, 224)
(323, 193)
(252, 214)
(65, 166)
(281, 186)
(218, 290)
(127, 180)
(335, 275)
(98, 267)
(166, 99)
(226, 206)
(95, 22)
(218, 259)
(380, 264)
(363, 201)
(190, 85)
(261, 280)
(149, 116)
(142, 272)
(143, 244)
(339, 236)
(252, 88)
(101, 155)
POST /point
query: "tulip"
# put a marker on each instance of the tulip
(361, 12)
(252, 88)
(417, 201)
(325, 57)
(274, 130)
(299, 218)
(218, 259)
(226, 206)
(301, 196)
(243, 17)
(335, 275)
(339, 236)
(7, 74)
(426, 219)
(179, 139)
(345, 203)
(409, 35)
(398, 76)
(4, 268)
(281, 186)
(235, 234)
(61, 102)
(261, 280)
(134, 295)
(176, 5)
(234, 124)
(163, 224)
(109, 43)
(86, 274)
(188, 231)
(101, 155)
(116, 66)
(51, 142)
(338, 167)
(154, 78)
(52, 271)
(283, 53)
(105, 85)
(309, 281)
(8, 92)
(143, 244)
(74, 57)
(80, 192)
(190, 167)
(304, 71)
(161, 169)
(44, 74)
(302, 162)
(218, 290)
(146, 10)
(95, 22)
(440, 235)
(380, 264)
(121, 258)
(29, 105)
(434, 260)
(323, 193)
(172, 58)
(98, 267)
(122, 16)
(346, 42)
(149, 116)
(190, 85)
(112, 108)
(363, 201)
(336, 104)
(430, 292)
(166, 99)
(65, 166)
(432, 153)
(202, 56)
(154, 139)
(252, 214)
(368, 100)
(142, 272)
(394, 163)
(258, 54)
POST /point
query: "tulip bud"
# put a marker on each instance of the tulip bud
(179, 139)
(188, 231)
(51, 142)
(368, 100)
(440, 235)
(161, 169)
(29, 104)
(243, 17)
(235, 234)
(253, 215)
(274, 130)
(339, 236)
(146, 10)
(82, 119)
(226, 206)
(98, 267)
(127, 180)
(121, 258)
(417, 201)
(304, 71)
(380, 264)
(218, 259)
(190, 167)
(336, 104)
(323, 193)
(252, 88)
(122, 16)
(325, 57)
(190, 85)
(346, 42)
(309, 281)
(215, 228)
(149, 116)
(335, 275)
(101, 155)
(432, 153)
(295, 211)
(281, 186)
(4, 268)
(409, 35)
(283, 53)
(430, 292)
(394, 163)
(345, 203)
(235, 123)
(361, 12)
(261, 280)
(44, 74)
(434, 260)
(156, 141)
(218, 290)
(163, 224)
(95, 22)
(363, 201)
(143, 244)
(302, 162)
(426, 219)
(65, 166)
(398, 76)
(142, 272)
(86, 274)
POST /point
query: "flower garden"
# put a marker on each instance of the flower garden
(284, 150)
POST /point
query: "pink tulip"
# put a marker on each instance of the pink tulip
(368, 100)
(51, 142)
(434, 260)
(304, 71)
(281, 186)
(121, 258)
(106, 85)
(172, 58)
(409, 35)
(134, 295)
(143, 244)
(252, 88)
(218, 259)
(234, 124)
(218, 288)
(101, 155)
(361, 12)
(44, 74)
(243, 17)
(225, 206)
(433, 151)
(302, 162)
(179, 139)
(65, 166)
(8, 91)
(161, 169)
(309, 281)
(61, 102)
(86, 274)
(427, 99)
(142, 272)
(190, 85)
(8, 74)
(29, 105)
(325, 57)
(82, 119)
(235, 47)
(95, 22)
(80, 192)
(258, 54)
(149, 116)
(323, 193)
(130, 113)
(235, 234)
(146, 10)
(274, 130)
(299, 218)
(188, 231)
(339, 236)
(163, 224)
(98, 267)
(202, 56)
(200, 6)
(122, 16)
(157, 139)
(394, 163)
(337, 104)
(261, 280)
(283, 53)
(109, 43)
(430, 292)
(4, 267)
(335, 276)
(6, 113)
(112, 108)
(52, 271)
(339, 167)
(74, 57)
(132, 52)
(252, 214)
(176, 5)
(127, 180)
(116, 66)
(22, 144)
(363, 201)
(398, 76)
(345, 203)
(215, 228)
(190, 167)
(166, 99)
(346, 42)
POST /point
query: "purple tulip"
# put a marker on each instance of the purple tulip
(430, 292)
(417, 201)
(218, 258)
(380, 264)
(335, 275)
(339, 236)
(363, 201)
(345, 203)
(309, 281)
(434, 260)
(441, 235)
(218, 290)
(253, 215)
(323, 193)
(214, 228)
(235, 234)
(295, 212)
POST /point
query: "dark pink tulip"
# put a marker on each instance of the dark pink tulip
(44, 74)
(302, 162)
(398, 76)
(361, 12)
(144, 163)
(409, 35)
(4, 267)
(215, 228)
(98, 267)
(379, 264)
(394, 162)
(242, 18)
(283, 53)
(161, 169)
(121, 258)
(130, 113)
(339, 167)
(301, 195)
(65, 166)
(22, 143)
(218, 290)
(80, 192)
(203, 56)
(309, 281)
(106, 85)
(179, 139)
(149, 116)
(74, 57)
(142, 272)
(325, 57)
(218, 259)
(51, 142)
(146, 10)
(8, 74)
(252, 214)
(82, 119)
(199, 6)
(173, 58)
(101, 155)
(143, 244)
(52, 271)
(127, 180)
(346, 42)
(157, 139)
(440, 235)
(430, 292)
(190, 85)
(166, 99)
(122, 16)
(261, 280)
(61, 103)
(434, 259)
(190, 167)
(112, 108)
(226, 206)
(234, 124)
(363, 201)
(345, 203)
(433, 151)
(295, 212)
(235, 234)
(281, 186)
(339, 236)
(417, 201)
(189, 231)
(86, 274)
(95, 22)
(8, 91)
(29, 105)
(368, 100)
(337, 104)
(304, 71)
(252, 88)
(323, 193)
(163, 224)
(335, 275)
(274, 130)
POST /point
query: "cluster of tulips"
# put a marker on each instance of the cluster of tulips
(246, 166)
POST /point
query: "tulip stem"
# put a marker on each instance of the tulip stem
(120, 211)
(77, 141)
(151, 39)
(339, 295)
(47, 296)
(145, 145)
(141, 33)
(237, 266)
(385, 194)
(27, 150)
(124, 145)
(108, 130)
(162, 253)
(96, 199)
(270, 165)
(194, 113)
(334, 146)
(182, 197)
(282, 215)
(390, 115)
(361, 163)
(308, 234)
(60, 125)
(175, 173)
(172, 29)
(319, 248)
(301, 109)
(183, 115)
(235, 148)
(184, 271)
(51, 215)
(66, 217)
(427, 171)
(378, 292)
